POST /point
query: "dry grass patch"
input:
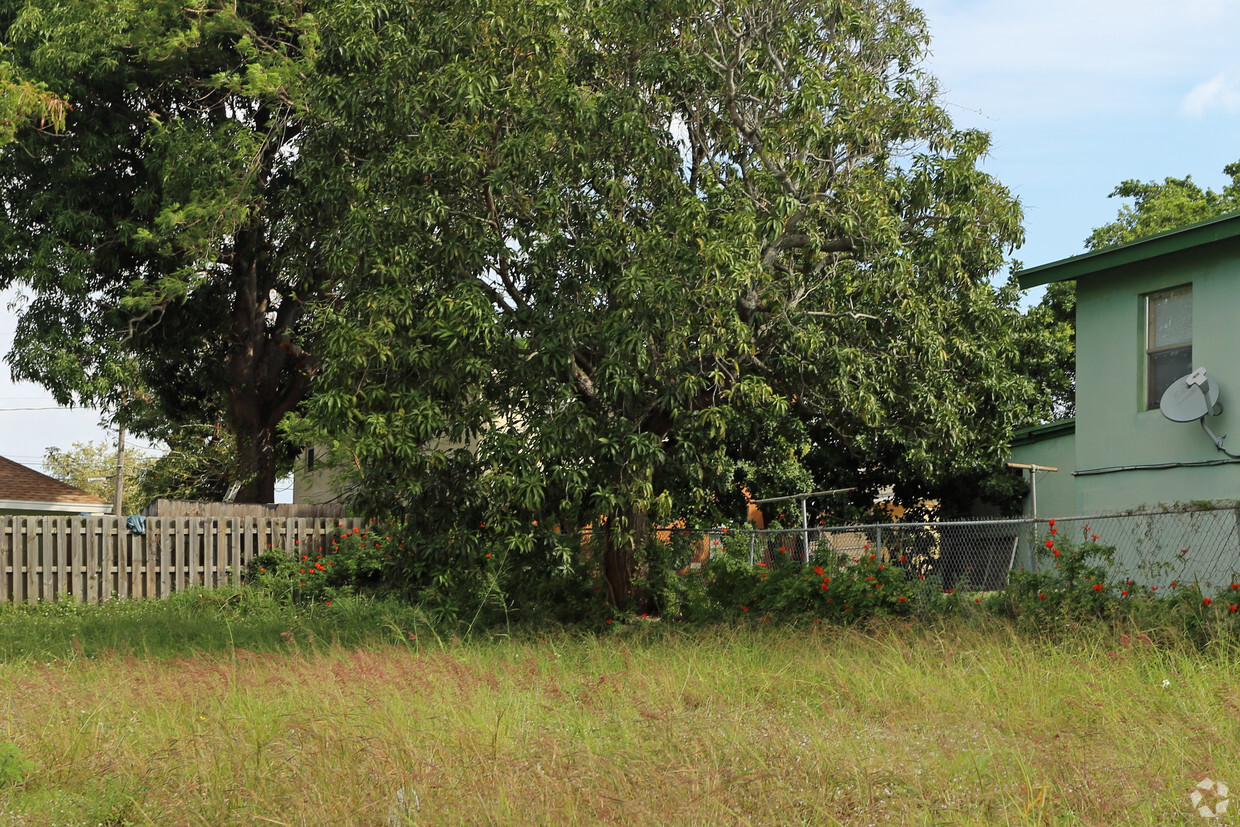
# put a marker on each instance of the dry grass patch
(734, 726)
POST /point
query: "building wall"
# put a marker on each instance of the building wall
(1114, 431)
(315, 485)
(1056, 489)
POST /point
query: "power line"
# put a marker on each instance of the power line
(54, 408)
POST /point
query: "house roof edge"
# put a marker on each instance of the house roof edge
(1212, 230)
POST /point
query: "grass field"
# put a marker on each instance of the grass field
(898, 723)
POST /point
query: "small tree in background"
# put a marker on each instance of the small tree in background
(91, 466)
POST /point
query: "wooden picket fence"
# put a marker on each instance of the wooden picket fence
(93, 559)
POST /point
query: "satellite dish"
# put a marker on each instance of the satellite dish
(1190, 397)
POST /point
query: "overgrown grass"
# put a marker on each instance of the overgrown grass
(364, 716)
(196, 620)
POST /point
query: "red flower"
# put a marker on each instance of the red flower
(947, 591)
(1233, 607)
(1205, 601)
(1056, 552)
(1183, 551)
(1054, 530)
(1042, 596)
(763, 565)
(1050, 523)
(1124, 593)
(1093, 537)
(902, 599)
(1097, 587)
(1050, 543)
(744, 608)
(903, 559)
(1153, 588)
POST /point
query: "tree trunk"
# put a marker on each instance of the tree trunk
(623, 535)
(268, 374)
(256, 465)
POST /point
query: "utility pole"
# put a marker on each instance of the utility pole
(120, 472)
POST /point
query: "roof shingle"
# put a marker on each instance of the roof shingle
(17, 482)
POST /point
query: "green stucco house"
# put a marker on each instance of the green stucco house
(1148, 313)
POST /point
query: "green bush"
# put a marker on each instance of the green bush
(353, 562)
(833, 587)
(1074, 582)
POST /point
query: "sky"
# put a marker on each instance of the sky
(1078, 95)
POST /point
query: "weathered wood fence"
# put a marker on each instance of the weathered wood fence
(92, 559)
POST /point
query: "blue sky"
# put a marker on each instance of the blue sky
(1078, 95)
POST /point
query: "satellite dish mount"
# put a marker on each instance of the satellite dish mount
(1195, 397)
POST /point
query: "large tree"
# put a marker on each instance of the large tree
(158, 242)
(603, 263)
(1154, 208)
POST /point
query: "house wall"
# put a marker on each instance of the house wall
(1114, 431)
(317, 485)
(1056, 489)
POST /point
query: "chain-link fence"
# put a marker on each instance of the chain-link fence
(975, 555)
(1199, 546)
(1190, 546)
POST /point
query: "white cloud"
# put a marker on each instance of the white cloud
(1025, 60)
(1219, 92)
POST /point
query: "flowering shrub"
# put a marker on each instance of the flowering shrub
(1073, 580)
(831, 586)
(351, 563)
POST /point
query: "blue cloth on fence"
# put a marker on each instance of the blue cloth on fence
(136, 523)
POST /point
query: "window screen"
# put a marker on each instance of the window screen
(1169, 340)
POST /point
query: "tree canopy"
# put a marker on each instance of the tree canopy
(158, 241)
(555, 263)
(608, 263)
